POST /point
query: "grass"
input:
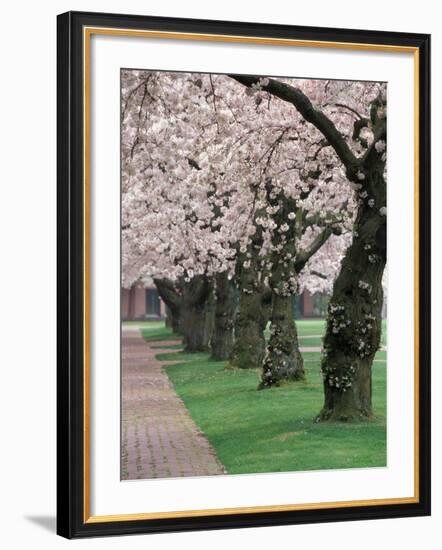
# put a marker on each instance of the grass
(156, 331)
(144, 324)
(273, 430)
(310, 331)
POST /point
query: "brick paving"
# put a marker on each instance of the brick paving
(159, 438)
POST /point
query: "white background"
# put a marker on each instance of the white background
(27, 219)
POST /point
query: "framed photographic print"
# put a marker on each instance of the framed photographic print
(243, 339)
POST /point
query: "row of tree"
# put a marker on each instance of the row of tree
(239, 192)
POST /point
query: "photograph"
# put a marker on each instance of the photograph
(253, 274)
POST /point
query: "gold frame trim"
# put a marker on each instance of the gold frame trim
(87, 34)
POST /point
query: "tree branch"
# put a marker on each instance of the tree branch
(198, 289)
(304, 255)
(304, 106)
(379, 133)
(168, 292)
(329, 220)
(347, 107)
(318, 274)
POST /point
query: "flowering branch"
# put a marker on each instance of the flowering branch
(304, 106)
(304, 255)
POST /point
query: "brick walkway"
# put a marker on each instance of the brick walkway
(159, 439)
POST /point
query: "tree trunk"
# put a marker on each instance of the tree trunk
(283, 360)
(197, 314)
(354, 322)
(171, 296)
(354, 314)
(251, 320)
(168, 319)
(196, 331)
(174, 320)
(222, 337)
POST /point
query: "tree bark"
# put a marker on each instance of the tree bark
(197, 314)
(222, 337)
(283, 360)
(354, 322)
(171, 296)
(251, 320)
(168, 319)
(174, 319)
(354, 318)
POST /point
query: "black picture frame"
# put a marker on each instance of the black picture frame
(71, 498)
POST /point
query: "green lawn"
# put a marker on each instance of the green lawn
(156, 331)
(273, 430)
(310, 331)
(144, 324)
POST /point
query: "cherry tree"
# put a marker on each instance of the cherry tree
(300, 197)
(224, 183)
(354, 315)
(172, 201)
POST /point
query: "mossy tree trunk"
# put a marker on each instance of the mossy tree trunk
(354, 322)
(168, 320)
(170, 293)
(251, 318)
(357, 296)
(175, 322)
(225, 305)
(283, 360)
(197, 314)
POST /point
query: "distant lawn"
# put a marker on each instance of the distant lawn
(310, 327)
(144, 324)
(273, 430)
(310, 331)
(156, 331)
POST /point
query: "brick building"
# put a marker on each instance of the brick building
(140, 302)
(143, 302)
